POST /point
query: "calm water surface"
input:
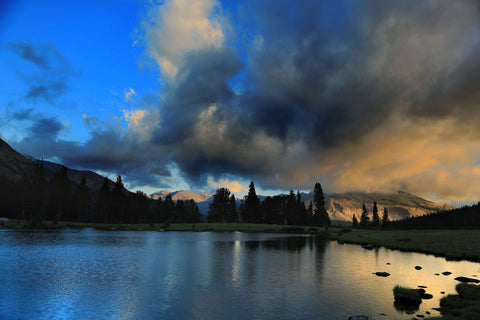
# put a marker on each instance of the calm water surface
(90, 274)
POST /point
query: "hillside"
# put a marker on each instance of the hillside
(399, 205)
(14, 165)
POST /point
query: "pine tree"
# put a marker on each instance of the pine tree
(321, 215)
(219, 208)
(310, 213)
(250, 207)
(118, 201)
(385, 220)
(39, 194)
(375, 217)
(354, 222)
(82, 201)
(232, 215)
(169, 209)
(103, 205)
(364, 219)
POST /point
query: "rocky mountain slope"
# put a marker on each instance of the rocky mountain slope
(197, 196)
(399, 205)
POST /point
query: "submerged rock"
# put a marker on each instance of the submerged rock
(465, 279)
(446, 273)
(360, 317)
(418, 268)
(382, 274)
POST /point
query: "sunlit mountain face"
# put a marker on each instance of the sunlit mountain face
(198, 95)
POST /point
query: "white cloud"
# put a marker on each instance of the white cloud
(179, 26)
(233, 186)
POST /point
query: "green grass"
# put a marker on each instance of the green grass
(453, 244)
(414, 293)
(216, 227)
(464, 306)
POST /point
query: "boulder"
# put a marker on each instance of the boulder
(446, 273)
(465, 279)
(418, 268)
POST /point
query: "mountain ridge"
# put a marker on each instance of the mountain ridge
(340, 206)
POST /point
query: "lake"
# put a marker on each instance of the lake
(91, 274)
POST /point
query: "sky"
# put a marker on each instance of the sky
(375, 96)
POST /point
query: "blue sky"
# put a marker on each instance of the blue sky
(176, 94)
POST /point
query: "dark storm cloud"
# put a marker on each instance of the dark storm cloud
(309, 78)
(202, 81)
(320, 73)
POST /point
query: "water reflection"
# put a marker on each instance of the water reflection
(92, 274)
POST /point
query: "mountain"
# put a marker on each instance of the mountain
(14, 165)
(400, 205)
(197, 196)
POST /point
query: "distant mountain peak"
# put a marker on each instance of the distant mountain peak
(197, 196)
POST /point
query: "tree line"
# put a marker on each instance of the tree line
(374, 222)
(36, 198)
(41, 196)
(467, 217)
(280, 209)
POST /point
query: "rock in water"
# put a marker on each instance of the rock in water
(418, 268)
(465, 279)
(446, 273)
(382, 274)
(360, 317)
(426, 296)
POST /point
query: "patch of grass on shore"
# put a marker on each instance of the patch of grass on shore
(463, 306)
(414, 293)
(453, 244)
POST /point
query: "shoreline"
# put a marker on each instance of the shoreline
(455, 245)
(450, 244)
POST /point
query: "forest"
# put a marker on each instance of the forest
(43, 197)
(36, 198)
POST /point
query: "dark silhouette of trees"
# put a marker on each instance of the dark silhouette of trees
(250, 206)
(385, 219)
(309, 213)
(354, 222)
(118, 201)
(81, 202)
(232, 215)
(220, 207)
(321, 215)
(364, 219)
(467, 217)
(375, 216)
(60, 196)
(104, 201)
(170, 210)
